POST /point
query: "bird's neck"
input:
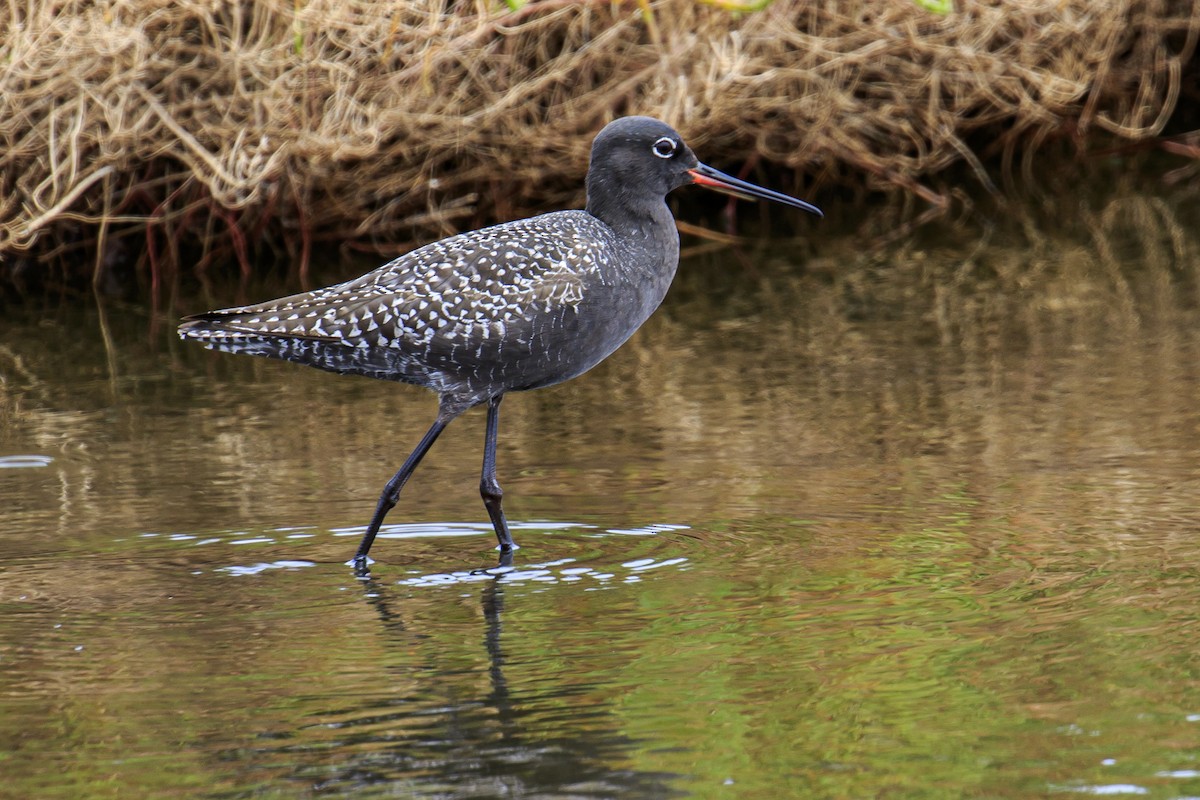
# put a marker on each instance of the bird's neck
(626, 205)
(635, 217)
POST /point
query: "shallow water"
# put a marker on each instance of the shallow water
(907, 521)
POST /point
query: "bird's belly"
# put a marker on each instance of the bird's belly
(570, 343)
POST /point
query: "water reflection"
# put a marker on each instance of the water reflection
(449, 733)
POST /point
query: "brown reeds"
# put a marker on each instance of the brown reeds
(172, 125)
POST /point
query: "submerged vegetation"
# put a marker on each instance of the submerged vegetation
(154, 131)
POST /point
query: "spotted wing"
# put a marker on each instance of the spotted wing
(458, 310)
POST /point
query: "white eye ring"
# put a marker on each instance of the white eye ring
(664, 147)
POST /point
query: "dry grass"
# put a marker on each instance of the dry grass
(228, 125)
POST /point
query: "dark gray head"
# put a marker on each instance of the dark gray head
(636, 161)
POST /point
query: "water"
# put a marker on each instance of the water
(920, 521)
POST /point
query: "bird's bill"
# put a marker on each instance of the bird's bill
(704, 175)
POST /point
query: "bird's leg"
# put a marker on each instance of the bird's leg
(391, 492)
(489, 487)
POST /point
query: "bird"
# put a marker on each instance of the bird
(516, 306)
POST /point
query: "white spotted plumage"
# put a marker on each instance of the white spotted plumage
(450, 314)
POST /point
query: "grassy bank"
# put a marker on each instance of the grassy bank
(140, 131)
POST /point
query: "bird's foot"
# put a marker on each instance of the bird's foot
(361, 565)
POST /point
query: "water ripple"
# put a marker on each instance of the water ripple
(25, 462)
(563, 570)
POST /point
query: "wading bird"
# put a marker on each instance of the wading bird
(507, 308)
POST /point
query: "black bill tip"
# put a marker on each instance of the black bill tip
(704, 175)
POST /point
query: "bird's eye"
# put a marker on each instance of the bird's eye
(664, 147)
